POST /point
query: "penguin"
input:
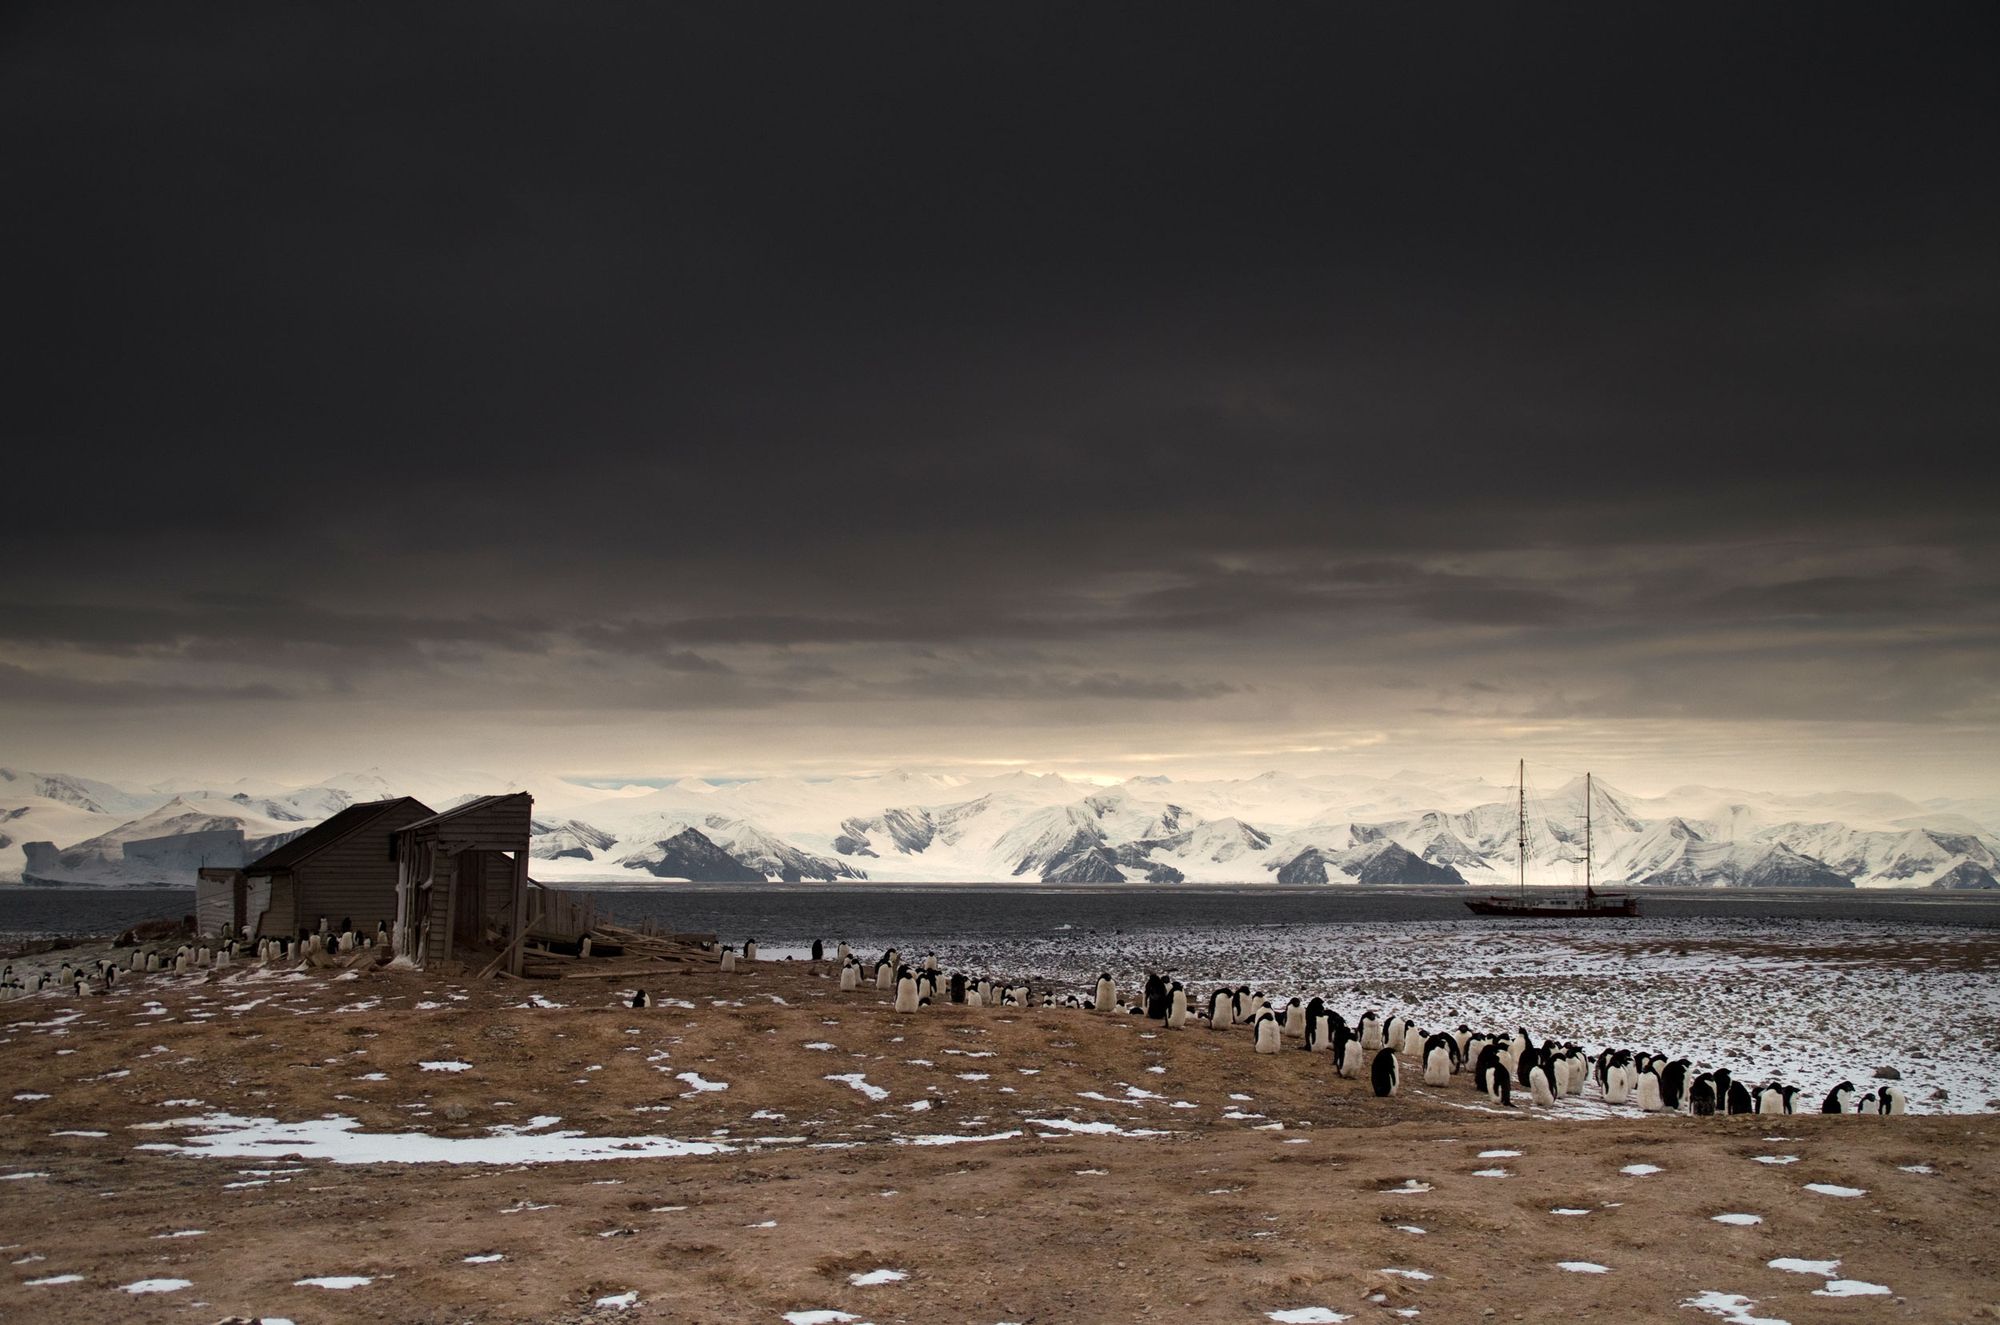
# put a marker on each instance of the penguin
(955, 987)
(974, 998)
(728, 958)
(1221, 1008)
(1673, 1083)
(749, 950)
(1392, 1032)
(1650, 1097)
(1839, 1100)
(641, 999)
(1268, 1039)
(1498, 1083)
(1722, 1084)
(583, 948)
(842, 952)
(1177, 1007)
(1739, 1099)
(1413, 1041)
(906, 991)
(1437, 1062)
(850, 975)
(1893, 1102)
(1107, 994)
(1521, 1053)
(1156, 996)
(1384, 1074)
(1539, 1087)
(1701, 1096)
(818, 950)
(1371, 1032)
(927, 987)
(1770, 1098)
(1348, 1055)
(930, 962)
(1242, 1006)
(1018, 996)
(885, 974)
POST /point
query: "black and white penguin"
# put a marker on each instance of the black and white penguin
(749, 950)
(1107, 994)
(1701, 1096)
(1673, 1083)
(956, 987)
(818, 950)
(842, 952)
(1892, 1102)
(1392, 1032)
(1740, 1100)
(641, 999)
(1722, 1083)
(1269, 1040)
(1243, 1005)
(1292, 1018)
(1770, 1098)
(1371, 1032)
(1319, 1026)
(1177, 1007)
(1540, 1088)
(1221, 1008)
(885, 972)
(1384, 1074)
(1156, 996)
(1839, 1100)
(1348, 1055)
(1413, 1040)
(1651, 1097)
(906, 990)
(728, 957)
(1492, 1077)
(850, 974)
(1521, 1053)
(929, 963)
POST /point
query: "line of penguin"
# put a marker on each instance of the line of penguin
(1500, 1064)
(102, 975)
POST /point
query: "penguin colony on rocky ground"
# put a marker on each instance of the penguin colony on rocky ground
(102, 975)
(1501, 1064)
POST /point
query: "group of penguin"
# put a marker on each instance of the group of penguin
(100, 976)
(1373, 1046)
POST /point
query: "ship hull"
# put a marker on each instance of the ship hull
(1602, 908)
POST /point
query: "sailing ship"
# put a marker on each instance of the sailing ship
(1592, 904)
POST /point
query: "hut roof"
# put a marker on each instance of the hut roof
(315, 840)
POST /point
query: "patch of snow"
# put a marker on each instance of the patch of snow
(1834, 1189)
(339, 1139)
(697, 1083)
(1738, 1220)
(1583, 1267)
(156, 1286)
(446, 1065)
(874, 1277)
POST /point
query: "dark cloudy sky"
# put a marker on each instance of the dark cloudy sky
(1109, 388)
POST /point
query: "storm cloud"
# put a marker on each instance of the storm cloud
(767, 387)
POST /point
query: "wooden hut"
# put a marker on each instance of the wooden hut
(462, 882)
(343, 869)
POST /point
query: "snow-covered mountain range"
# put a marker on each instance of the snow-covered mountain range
(1022, 827)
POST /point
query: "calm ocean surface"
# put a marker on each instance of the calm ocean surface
(795, 915)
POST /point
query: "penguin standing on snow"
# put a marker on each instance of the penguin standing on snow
(1893, 1102)
(1268, 1039)
(906, 990)
(1839, 1100)
(641, 999)
(1107, 994)
(1384, 1073)
(1540, 1087)
(1650, 1098)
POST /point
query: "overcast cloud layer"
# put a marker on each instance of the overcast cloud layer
(1114, 389)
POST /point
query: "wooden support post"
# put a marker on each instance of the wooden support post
(520, 911)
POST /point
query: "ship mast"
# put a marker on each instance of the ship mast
(1521, 827)
(1586, 836)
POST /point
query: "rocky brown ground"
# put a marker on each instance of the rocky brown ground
(1281, 1188)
